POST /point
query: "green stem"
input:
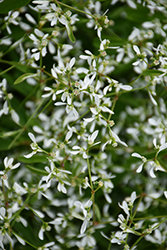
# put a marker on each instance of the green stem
(93, 200)
(10, 243)
(89, 172)
(109, 246)
(75, 9)
(139, 239)
(6, 205)
(137, 207)
(80, 117)
(151, 217)
(26, 125)
(25, 240)
(15, 216)
(6, 70)
(4, 193)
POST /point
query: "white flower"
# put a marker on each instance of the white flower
(11, 18)
(156, 238)
(81, 150)
(9, 163)
(19, 189)
(41, 42)
(34, 146)
(70, 132)
(119, 237)
(139, 54)
(50, 92)
(61, 188)
(87, 215)
(87, 57)
(125, 207)
(5, 109)
(142, 158)
(96, 110)
(45, 227)
(92, 137)
(53, 16)
(155, 166)
(70, 109)
(160, 148)
(87, 240)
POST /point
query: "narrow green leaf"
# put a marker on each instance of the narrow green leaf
(10, 133)
(152, 72)
(97, 212)
(8, 5)
(36, 170)
(24, 77)
(34, 159)
(70, 32)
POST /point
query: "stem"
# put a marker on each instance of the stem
(11, 247)
(75, 9)
(6, 70)
(80, 117)
(26, 125)
(25, 240)
(109, 246)
(93, 192)
(89, 172)
(140, 238)
(93, 200)
(6, 205)
(14, 217)
(151, 217)
(4, 193)
(137, 207)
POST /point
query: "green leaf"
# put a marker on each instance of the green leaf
(10, 133)
(33, 159)
(97, 212)
(70, 32)
(36, 170)
(152, 72)
(8, 5)
(24, 77)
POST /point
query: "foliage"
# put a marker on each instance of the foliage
(83, 118)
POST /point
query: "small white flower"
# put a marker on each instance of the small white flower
(81, 150)
(139, 169)
(125, 207)
(19, 189)
(119, 237)
(34, 146)
(61, 188)
(9, 163)
(87, 215)
(92, 137)
(41, 42)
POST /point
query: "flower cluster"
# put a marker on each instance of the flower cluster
(83, 136)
